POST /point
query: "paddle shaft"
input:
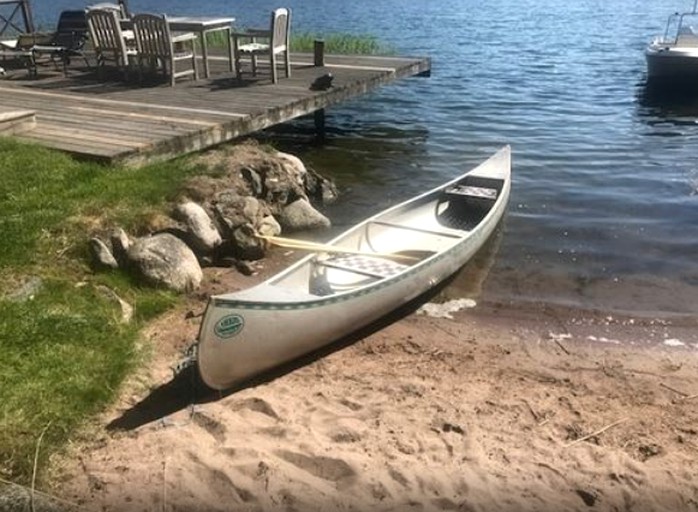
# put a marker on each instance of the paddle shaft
(303, 245)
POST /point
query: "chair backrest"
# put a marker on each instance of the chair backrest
(105, 31)
(153, 37)
(71, 31)
(280, 29)
(120, 8)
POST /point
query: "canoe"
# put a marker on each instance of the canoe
(355, 279)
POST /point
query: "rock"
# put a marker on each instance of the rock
(120, 243)
(102, 256)
(320, 189)
(166, 260)
(294, 167)
(245, 245)
(126, 308)
(254, 180)
(269, 226)
(201, 232)
(232, 210)
(300, 215)
(245, 267)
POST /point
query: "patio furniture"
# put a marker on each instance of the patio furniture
(121, 8)
(276, 42)
(203, 26)
(161, 49)
(10, 52)
(67, 41)
(108, 40)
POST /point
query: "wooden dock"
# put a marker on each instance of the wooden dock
(131, 124)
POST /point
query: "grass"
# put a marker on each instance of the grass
(346, 44)
(64, 351)
(303, 42)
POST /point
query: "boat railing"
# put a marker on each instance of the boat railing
(679, 31)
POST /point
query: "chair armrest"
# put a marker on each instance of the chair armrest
(253, 32)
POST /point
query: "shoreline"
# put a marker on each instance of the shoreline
(487, 411)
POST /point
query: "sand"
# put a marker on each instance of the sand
(494, 409)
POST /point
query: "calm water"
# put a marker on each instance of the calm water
(604, 211)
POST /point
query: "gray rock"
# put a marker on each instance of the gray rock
(120, 243)
(245, 245)
(102, 256)
(165, 260)
(300, 215)
(201, 232)
(126, 308)
(232, 210)
(269, 226)
(294, 167)
(254, 180)
(320, 188)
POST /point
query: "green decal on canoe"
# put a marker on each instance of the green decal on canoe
(229, 326)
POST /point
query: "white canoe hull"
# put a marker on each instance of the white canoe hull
(243, 334)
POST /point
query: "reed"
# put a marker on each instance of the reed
(302, 42)
(346, 44)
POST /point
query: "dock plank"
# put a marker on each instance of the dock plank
(132, 123)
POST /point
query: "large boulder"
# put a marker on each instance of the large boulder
(165, 260)
(201, 232)
(300, 215)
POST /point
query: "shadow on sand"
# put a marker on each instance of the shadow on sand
(186, 389)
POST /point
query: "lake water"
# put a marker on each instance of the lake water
(604, 207)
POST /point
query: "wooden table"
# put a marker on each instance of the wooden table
(202, 26)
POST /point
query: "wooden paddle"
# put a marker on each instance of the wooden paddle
(304, 245)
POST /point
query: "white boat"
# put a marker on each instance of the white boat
(358, 277)
(674, 55)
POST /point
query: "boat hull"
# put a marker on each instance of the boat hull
(675, 64)
(245, 334)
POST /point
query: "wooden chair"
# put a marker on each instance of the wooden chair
(159, 48)
(276, 42)
(108, 39)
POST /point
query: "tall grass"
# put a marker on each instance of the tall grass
(63, 349)
(347, 44)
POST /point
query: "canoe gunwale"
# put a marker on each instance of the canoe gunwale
(245, 333)
(315, 301)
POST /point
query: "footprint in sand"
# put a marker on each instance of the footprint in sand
(326, 468)
(210, 425)
(257, 405)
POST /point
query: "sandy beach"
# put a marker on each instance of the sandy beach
(504, 407)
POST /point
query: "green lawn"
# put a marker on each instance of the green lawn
(64, 351)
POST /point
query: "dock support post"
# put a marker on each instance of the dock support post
(320, 123)
(319, 52)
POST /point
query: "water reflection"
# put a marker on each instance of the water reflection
(669, 100)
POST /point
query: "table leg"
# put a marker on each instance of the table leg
(231, 57)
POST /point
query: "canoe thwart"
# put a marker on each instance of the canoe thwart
(304, 245)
